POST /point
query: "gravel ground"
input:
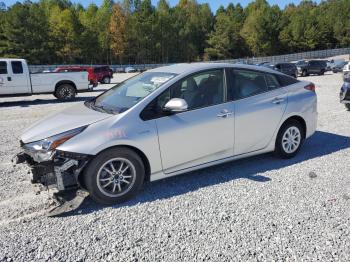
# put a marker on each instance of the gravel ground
(256, 209)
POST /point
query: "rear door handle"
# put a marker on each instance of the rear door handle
(224, 113)
(277, 100)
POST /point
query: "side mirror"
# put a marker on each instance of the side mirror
(176, 105)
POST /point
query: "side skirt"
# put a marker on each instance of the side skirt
(162, 175)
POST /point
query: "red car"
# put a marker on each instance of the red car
(102, 74)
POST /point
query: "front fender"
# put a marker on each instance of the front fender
(115, 131)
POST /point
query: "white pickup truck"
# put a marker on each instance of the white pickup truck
(16, 80)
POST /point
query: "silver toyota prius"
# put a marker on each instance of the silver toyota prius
(168, 121)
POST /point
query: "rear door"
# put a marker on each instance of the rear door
(314, 67)
(289, 69)
(259, 104)
(98, 73)
(284, 69)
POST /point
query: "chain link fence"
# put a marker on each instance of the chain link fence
(251, 60)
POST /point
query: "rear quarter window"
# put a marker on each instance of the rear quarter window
(272, 82)
(285, 80)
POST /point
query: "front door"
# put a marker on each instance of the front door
(260, 103)
(19, 78)
(202, 134)
(4, 81)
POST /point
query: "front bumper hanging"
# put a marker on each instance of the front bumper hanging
(61, 172)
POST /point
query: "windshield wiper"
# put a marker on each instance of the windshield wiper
(102, 108)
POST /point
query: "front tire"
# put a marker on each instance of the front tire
(289, 139)
(106, 80)
(65, 92)
(304, 73)
(347, 106)
(114, 176)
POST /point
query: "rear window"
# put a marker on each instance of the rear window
(3, 68)
(285, 80)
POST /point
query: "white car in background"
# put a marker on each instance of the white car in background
(16, 80)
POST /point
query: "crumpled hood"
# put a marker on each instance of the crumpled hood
(70, 118)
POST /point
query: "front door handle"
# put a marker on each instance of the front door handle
(9, 78)
(277, 100)
(224, 113)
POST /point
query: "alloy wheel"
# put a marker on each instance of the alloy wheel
(116, 177)
(291, 139)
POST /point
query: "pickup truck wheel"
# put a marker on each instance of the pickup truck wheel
(106, 80)
(347, 106)
(65, 92)
(114, 176)
(304, 73)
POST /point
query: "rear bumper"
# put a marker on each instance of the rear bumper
(61, 171)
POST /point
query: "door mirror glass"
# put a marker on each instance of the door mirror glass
(176, 105)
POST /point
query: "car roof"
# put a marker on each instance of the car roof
(193, 67)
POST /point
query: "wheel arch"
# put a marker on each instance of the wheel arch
(63, 82)
(141, 154)
(298, 118)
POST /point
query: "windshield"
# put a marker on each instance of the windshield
(124, 96)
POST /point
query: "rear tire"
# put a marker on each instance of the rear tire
(65, 92)
(347, 106)
(106, 80)
(114, 176)
(289, 139)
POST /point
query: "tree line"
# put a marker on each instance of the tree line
(135, 31)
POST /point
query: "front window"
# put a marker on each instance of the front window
(200, 90)
(124, 96)
(3, 68)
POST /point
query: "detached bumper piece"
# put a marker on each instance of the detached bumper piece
(62, 173)
(67, 202)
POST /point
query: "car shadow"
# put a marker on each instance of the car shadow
(320, 144)
(27, 103)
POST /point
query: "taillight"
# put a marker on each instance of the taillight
(310, 87)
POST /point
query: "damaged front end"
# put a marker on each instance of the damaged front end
(52, 168)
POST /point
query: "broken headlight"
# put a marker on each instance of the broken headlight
(42, 150)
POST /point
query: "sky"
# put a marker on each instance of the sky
(214, 4)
